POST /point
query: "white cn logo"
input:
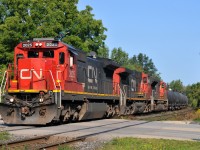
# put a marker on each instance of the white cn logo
(92, 74)
(31, 72)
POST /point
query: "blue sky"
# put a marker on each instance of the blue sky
(168, 31)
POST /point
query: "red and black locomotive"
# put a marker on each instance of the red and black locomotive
(51, 82)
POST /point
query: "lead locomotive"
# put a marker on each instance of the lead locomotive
(51, 82)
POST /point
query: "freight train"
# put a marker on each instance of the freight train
(51, 82)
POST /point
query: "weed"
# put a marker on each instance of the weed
(150, 144)
(4, 135)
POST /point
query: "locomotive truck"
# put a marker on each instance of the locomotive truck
(51, 81)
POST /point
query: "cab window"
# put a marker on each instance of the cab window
(145, 80)
(48, 54)
(163, 86)
(71, 61)
(61, 58)
(33, 54)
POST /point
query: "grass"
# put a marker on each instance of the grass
(4, 135)
(197, 113)
(197, 120)
(150, 144)
(65, 148)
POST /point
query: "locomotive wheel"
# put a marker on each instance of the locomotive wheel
(147, 108)
(111, 111)
(66, 117)
(128, 111)
(133, 109)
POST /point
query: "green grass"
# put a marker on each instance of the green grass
(65, 148)
(197, 116)
(197, 120)
(150, 144)
(4, 135)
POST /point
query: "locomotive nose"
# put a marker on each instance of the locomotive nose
(34, 73)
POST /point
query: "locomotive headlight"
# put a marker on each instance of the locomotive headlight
(36, 44)
(12, 100)
(41, 100)
(40, 44)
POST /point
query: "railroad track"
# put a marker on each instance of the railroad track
(52, 141)
(159, 116)
(15, 129)
(46, 142)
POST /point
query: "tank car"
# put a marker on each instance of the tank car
(176, 100)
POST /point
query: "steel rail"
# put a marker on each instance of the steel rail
(21, 143)
(24, 143)
(84, 137)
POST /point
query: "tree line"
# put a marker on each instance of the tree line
(140, 62)
(22, 20)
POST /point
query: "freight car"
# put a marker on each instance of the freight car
(51, 82)
(176, 100)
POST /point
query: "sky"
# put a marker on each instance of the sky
(167, 31)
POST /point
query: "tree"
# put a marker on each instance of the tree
(88, 33)
(142, 63)
(193, 94)
(2, 71)
(119, 56)
(103, 52)
(22, 20)
(177, 85)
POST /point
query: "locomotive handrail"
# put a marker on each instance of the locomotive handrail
(122, 95)
(60, 96)
(54, 86)
(3, 85)
(56, 97)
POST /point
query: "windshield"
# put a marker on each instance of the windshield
(33, 54)
(43, 54)
(48, 54)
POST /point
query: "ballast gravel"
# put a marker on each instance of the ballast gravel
(90, 145)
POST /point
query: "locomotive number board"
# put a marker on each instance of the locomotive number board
(39, 44)
(51, 44)
(27, 45)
